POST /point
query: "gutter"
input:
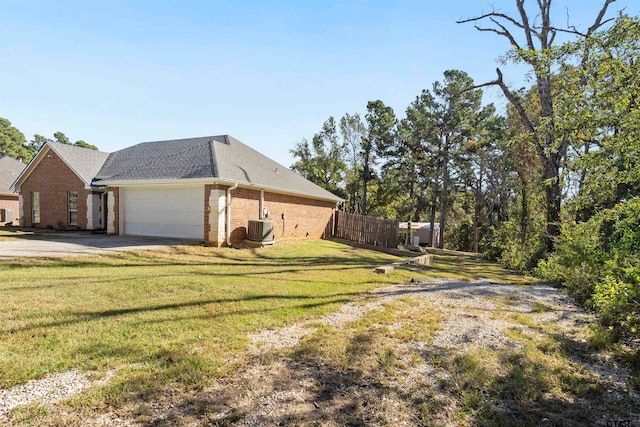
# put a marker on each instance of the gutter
(228, 228)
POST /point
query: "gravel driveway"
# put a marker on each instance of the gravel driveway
(59, 246)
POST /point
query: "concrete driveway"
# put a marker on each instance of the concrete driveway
(58, 246)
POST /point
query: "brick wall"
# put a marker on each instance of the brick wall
(245, 205)
(113, 210)
(53, 179)
(303, 218)
(11, 202)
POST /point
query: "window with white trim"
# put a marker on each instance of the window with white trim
(35, 207)
(72, 199)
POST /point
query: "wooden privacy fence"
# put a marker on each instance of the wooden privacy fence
(366, 229)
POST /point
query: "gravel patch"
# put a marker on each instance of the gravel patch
(288, 337)
(477, 314)
(463, 330)
(285, 391)
(52, 389)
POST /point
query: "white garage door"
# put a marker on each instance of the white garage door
(164, 212)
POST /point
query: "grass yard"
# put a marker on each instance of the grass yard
(172, 323)
(176, 317)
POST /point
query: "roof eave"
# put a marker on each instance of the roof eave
(191, 181)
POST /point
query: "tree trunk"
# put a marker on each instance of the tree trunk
(551, 159)
(444, 199)
(553, 201)
(524, 214)
(584, 212)
(432, 218)
(365, 173)
(443, 216)
(476, 212)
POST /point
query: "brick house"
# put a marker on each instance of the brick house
(56, 190)
(200, 188)
(10, 169)
(208, 189)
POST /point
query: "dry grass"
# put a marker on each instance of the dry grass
(175, 325)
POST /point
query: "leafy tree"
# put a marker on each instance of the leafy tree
(353, 131)
(322, 161)
(36, 143)
(605, 116)
(598, 257)
(381, 121)
(484, 177)
(12, 142)
(58, 137)
(458, 113)
(537, 48)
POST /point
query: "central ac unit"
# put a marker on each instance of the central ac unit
(260, 231)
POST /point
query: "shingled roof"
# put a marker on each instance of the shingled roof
(10, 169)
(221, 158)
(85, 162)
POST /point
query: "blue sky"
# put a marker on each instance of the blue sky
(116, 73)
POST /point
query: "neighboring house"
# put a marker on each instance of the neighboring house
(208, 189)
(10, 169)
(56, 190)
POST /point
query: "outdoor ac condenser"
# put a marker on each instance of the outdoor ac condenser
(260, 231)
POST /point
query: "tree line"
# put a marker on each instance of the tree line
(14, 144)
(550, 185)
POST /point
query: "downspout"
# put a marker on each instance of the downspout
(228, 228)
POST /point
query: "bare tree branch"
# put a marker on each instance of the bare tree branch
(525, 22)
(598, 22)
(506, 34)
(512, 97)
(493, 14)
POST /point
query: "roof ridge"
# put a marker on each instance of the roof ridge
(224, 136)
(76, 147)
(177, 153)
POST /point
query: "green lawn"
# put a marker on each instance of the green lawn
(176, 317)
(177, 320)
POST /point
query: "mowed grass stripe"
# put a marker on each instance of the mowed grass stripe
(193, 304)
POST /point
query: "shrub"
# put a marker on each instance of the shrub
(505, 247)
(618, 303)
(599, 263)
(577, 262)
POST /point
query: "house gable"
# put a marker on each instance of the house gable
(83, 162)
(52, 178)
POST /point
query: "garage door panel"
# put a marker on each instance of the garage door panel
(164, 212)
